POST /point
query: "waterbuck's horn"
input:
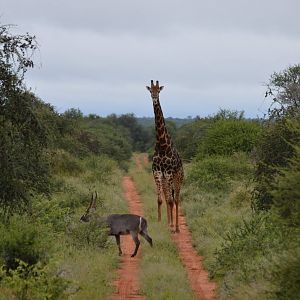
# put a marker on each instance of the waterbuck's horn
(95, 194)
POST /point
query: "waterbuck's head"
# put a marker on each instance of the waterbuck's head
(92, 207)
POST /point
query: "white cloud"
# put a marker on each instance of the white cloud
(99, 55)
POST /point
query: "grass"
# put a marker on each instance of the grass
(91, 270)
(211, 215)
(162, 275)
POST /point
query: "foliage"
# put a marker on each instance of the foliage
(189, 136)
(23, 135)
(53, 213)
(73, 113)
(22, 240)
(275, 147)
(273, 151)
(227, 136)
(284, 89)
(227, 114)
(31, 282)
(286, 191)
(15, 52)
(91, 234)
(216, 172)
(260, 251)
(139, 135)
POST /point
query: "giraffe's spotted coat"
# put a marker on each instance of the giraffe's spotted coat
(166, 163)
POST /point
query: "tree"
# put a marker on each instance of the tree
(284, 89)
(276, 145)
(23, 136)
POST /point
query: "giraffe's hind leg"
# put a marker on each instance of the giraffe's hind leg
(168, 191)
(177, 186)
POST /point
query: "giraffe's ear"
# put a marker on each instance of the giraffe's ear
(161, 88)
(148, 88)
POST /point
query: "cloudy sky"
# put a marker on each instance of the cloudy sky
(98, 55)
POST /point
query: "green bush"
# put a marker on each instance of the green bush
(50, 212)
(64, 163)
(90, 234)
(286, 192)
(189, 136)
(273, 151)
(32, 283)
(216, 172)
(261, 252)
(23, 240)
(228, 136)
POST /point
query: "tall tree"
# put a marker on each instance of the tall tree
(23, 136)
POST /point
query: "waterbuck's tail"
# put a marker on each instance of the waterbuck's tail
(144, 231)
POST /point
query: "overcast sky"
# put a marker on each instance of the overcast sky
(99, 55)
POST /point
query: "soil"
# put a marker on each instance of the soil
(127, 282)
(198, 277)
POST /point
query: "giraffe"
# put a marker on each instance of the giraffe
(166, 163)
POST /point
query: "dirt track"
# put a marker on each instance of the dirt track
(127, 284)
(198, 277)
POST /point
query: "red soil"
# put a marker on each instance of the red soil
(198, 277)
(127, 283)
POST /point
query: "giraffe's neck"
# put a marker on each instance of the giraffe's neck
(163, 139)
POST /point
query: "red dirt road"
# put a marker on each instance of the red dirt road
(201, 286)
(127, 283)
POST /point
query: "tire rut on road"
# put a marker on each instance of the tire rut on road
(127, 282)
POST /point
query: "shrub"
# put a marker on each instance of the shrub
(189, 136)
(263, 253)
(286, 192)
(50, 212)
(240, 196)
(90, 234)
(23, 240)
(228, 136)
(216, 172)
(66, 164)
(273, 151)
(31, 282)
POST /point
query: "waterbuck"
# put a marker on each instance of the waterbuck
(121, 224)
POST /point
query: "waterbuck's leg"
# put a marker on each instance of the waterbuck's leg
(137, 242)
(145, 235)
(118, 243)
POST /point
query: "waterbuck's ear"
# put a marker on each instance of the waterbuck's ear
(148, 88)
(161, 88)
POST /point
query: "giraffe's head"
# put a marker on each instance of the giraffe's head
(154, 91)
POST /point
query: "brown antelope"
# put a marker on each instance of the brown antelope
(121, 224)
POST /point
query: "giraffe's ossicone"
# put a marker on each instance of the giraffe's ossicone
(166, 163)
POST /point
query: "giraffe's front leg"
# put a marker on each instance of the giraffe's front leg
(159, 190)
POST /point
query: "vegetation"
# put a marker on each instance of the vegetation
(241, 194)
(241, 198)
(162, 275)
